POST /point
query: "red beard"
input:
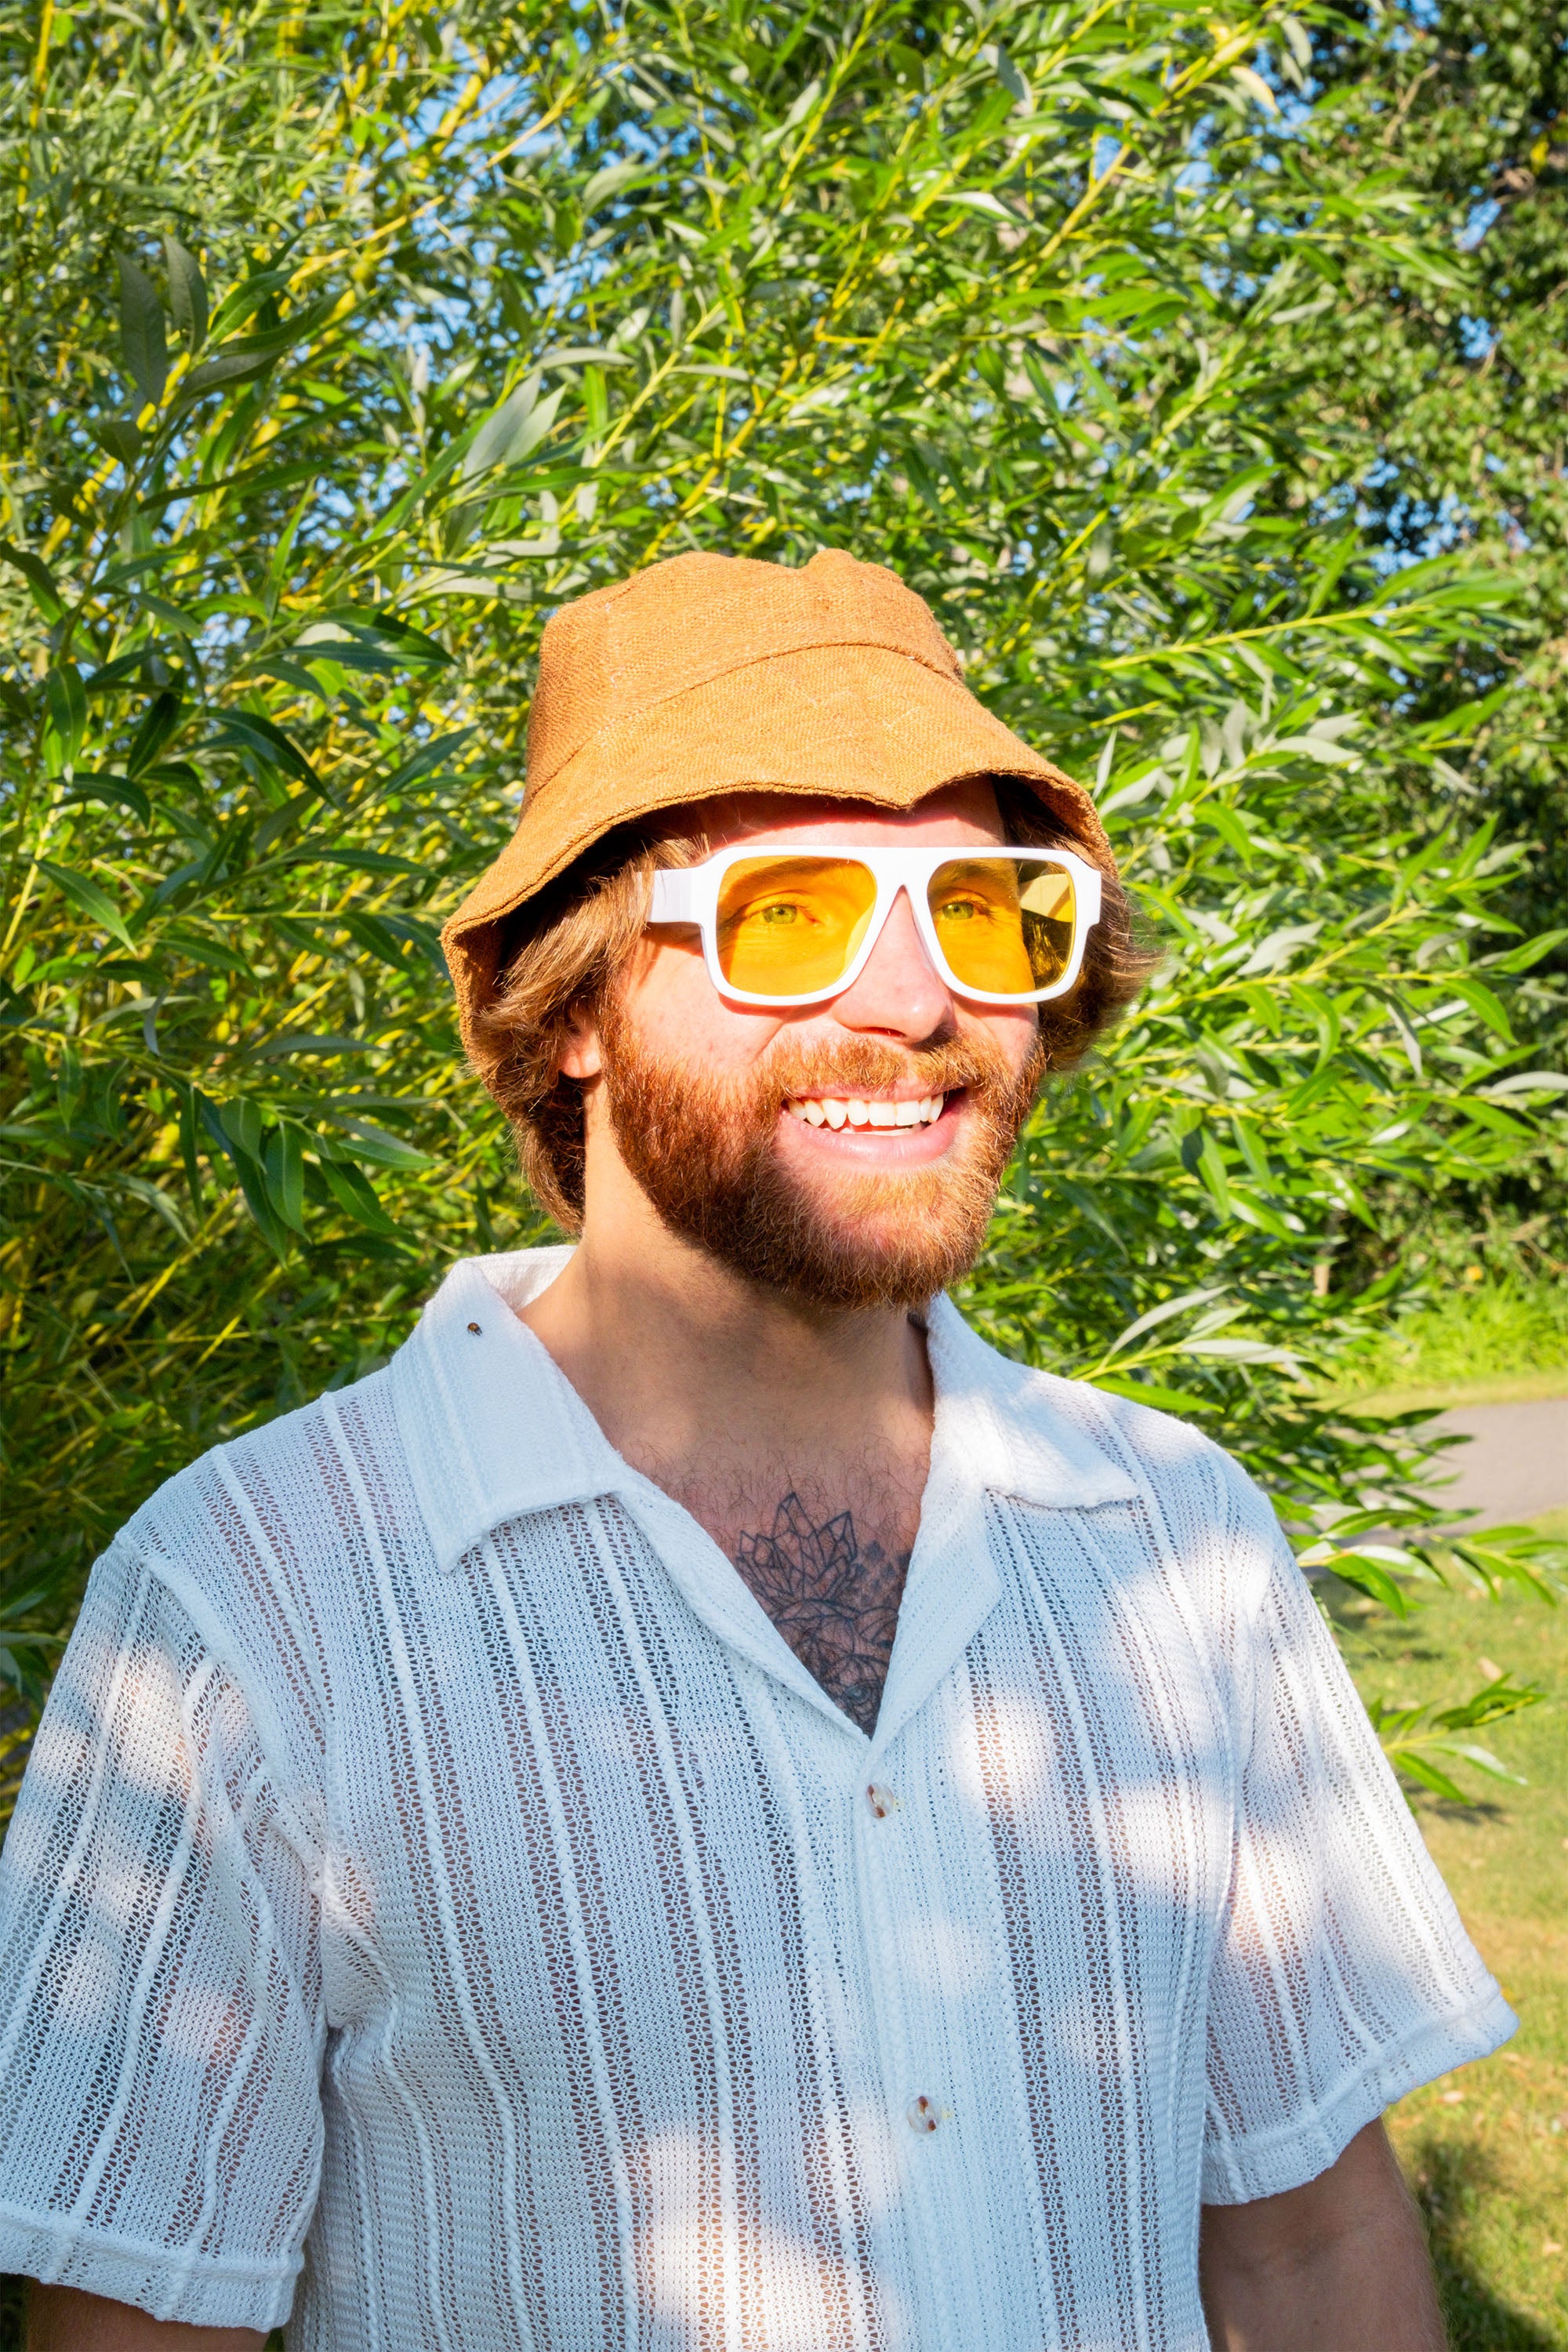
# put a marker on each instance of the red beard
(705, 1151)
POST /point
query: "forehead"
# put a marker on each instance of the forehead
(957, 813)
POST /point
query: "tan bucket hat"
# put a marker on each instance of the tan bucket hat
(710, 674)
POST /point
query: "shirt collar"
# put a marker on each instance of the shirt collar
(493, 1430)
(1017, 1438)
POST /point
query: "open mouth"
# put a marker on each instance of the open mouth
(855, 1111)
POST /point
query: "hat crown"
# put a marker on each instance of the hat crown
(693, 618)
(708, 675)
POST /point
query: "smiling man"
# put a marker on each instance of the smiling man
(701, 1807)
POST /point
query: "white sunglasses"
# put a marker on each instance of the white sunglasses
(797, 926)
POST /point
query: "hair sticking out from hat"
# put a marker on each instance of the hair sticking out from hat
(570, 944)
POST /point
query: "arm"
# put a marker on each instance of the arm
(63, 2319)
(147, 1731)
(1337, 2265)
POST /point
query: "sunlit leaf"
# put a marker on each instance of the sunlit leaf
(512, 430)
(65, 699)
(39, 577)
(84, 892)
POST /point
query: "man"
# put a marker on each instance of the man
(701, 1807)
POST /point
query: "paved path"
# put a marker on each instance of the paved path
(1515, 1465)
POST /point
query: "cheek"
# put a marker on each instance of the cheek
(676, 1014)
(1012, 1030)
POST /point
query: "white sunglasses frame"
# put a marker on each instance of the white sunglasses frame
(690, 894)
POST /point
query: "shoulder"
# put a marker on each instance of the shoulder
(1156, 1446)
(1172, 1457)
(1066, 1442)
(1109, 1442)
(1162, 1450)
(258, 1494)
(258, 1541)
(284, 1532)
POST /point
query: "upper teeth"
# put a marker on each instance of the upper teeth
(837, 1110)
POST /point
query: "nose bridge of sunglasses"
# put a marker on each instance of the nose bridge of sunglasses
(901, 917)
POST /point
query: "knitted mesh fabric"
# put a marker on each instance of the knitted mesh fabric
(486, 1912)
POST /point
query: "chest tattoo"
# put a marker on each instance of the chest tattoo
(834, 1600)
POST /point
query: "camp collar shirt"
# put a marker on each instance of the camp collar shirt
(441, 1903)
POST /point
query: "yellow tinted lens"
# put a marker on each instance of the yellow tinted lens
(790, 926)
(1005, 924)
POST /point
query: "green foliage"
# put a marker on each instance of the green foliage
(1454, 386)
(1416, 1738)
(344, 348)
(1451, 1335)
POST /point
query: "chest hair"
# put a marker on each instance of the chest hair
(825, 1553)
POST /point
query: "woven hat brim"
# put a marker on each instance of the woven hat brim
(847, 722)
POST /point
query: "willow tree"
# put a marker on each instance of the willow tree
(1452, 388)
(344, 345)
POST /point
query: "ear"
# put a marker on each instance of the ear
(581, 1055)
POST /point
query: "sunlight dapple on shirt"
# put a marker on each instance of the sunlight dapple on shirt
(442, 1900)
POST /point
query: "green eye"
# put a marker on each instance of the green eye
(776, 915)
(958, 910)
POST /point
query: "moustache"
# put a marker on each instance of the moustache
(864, 1065)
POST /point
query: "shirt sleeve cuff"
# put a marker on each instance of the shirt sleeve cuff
(197, 2290)
(1263, 2164)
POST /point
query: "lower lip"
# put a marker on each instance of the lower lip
(880, 1147)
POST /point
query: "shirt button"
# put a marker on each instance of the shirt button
(921, 2116)
(881, 1800)
(473, 1327)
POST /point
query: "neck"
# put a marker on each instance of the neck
(681, 1361)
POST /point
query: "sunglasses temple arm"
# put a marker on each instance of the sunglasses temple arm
(674, 898)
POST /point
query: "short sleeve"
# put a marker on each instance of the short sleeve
(160, 2004)
(1342, 1977)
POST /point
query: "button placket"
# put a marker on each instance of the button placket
(922, 2113)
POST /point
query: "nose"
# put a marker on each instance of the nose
(899, 993)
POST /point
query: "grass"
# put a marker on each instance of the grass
(1496, 1388)
(1486, 2149)
(1498, 1342)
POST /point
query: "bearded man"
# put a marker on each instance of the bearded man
(701, 1807)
